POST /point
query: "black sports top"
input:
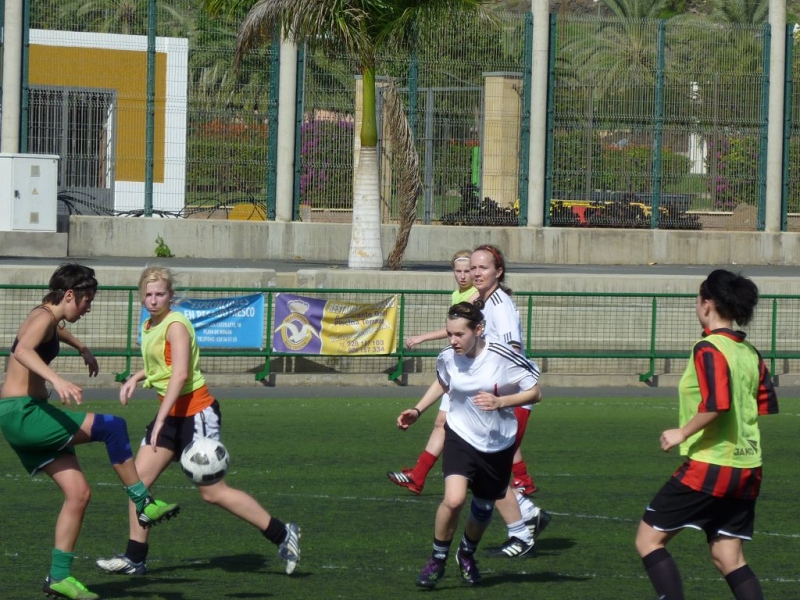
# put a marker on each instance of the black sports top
(48, 349)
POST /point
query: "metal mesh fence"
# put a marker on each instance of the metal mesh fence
(575, 334)
(791, 216)
(636, 113)
(88, 103)
(228, 135)
(456, 121)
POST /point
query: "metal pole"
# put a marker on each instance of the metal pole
(655, 196)
(539, 107)
(428, 184)
(272, 125)
(287, 207)
(12, 76)
(150, 127)
(525, 124)
(787, 126)
(26, 43)
(774, 166)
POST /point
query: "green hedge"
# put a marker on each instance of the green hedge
(622, 169)
(736, 178)
(224, 158)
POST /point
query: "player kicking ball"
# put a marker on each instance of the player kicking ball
(187, 411)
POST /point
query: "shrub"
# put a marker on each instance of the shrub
(736, 178)
(224, 157)
(629, 169)
(326, 163)
(614, 168)
(569, 161)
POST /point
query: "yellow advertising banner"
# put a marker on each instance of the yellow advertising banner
(328, 327)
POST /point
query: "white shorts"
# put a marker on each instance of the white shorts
(178, 432)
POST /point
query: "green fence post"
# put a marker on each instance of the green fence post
(658, 122)
(774, 337)
(763, 132)
(264, 373)
(653, 318)
(398, 371)
(119, 377)
(787, 124)
(298, 126)
(525, 122)
(529, 336)
(150, 123)
(551, 84)
(26, 51)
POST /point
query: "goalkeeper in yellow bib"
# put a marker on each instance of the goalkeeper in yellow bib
(725, 388)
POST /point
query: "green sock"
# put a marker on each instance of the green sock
(138, 494)
(61, 565)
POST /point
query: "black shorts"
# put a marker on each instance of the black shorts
(677, 506)
(177, 432)
(488, 473)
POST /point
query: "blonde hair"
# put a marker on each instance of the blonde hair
(460, 255)
(152, 274)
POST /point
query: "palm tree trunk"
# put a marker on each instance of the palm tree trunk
(365, 238)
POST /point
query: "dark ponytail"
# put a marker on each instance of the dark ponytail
(468, 311)
(71, 276)
(734, 296)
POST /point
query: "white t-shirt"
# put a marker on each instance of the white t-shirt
(502, 323)
(502, 320)
(499, 370)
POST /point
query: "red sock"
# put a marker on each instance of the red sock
(520, 470)
(424, 464)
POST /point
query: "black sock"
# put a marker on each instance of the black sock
(467, 545)
(136, 551)
(744, 584)
(275, 531)
(664, 574)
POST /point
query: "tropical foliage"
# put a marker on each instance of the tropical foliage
(606, 76)
(362, 29)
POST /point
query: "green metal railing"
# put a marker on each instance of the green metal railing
(586, 332)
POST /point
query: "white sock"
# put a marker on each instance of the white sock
(518, 529)
(527, 507)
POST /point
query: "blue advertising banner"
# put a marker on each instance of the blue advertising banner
(236, 322)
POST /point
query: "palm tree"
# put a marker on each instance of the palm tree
(126, 16)
(742, 12)
(362, 28)
(637, 9)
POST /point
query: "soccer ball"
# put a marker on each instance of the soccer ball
(205, 461)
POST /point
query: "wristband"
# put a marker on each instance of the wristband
(419, 412)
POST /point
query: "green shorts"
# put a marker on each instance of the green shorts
(38, 431)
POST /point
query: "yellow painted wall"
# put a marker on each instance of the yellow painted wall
(124, 71)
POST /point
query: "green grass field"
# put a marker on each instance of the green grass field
(321, 462)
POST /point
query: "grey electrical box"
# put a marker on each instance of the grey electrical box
(28, 192)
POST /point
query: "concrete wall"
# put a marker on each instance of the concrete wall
(210, 238)
(104, 237)
(27, 243)
(27, 274)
